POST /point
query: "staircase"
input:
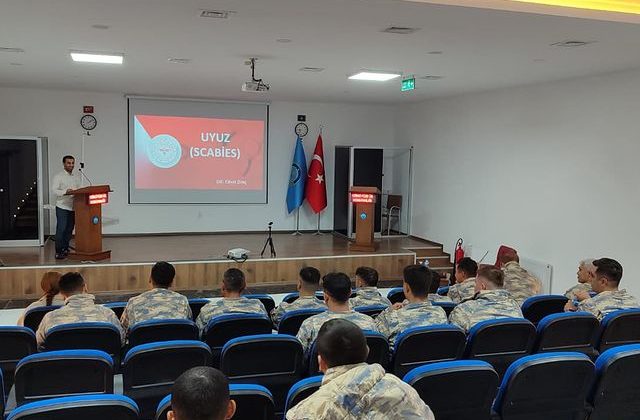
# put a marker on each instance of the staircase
(439, 260)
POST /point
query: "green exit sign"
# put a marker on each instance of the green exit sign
(408, 84)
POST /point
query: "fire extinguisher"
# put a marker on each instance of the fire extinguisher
(458, 254)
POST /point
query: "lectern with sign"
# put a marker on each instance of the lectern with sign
(87, 203)
(364, 199)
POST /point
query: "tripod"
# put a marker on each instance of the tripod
(270, 243)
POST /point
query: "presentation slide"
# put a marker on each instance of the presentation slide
(199, 152)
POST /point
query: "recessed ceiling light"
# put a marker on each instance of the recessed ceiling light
(283, 40)
(400, 30)
(216, 14)
(539, 60)
(375, 76)
(312, 69)
(434, 52)
(179, 60)
(102, 27)
(11, 50)
(621, 6)
(96, 57)
(572, 43)
(431, 77)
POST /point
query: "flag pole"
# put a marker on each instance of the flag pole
(318, 231)
(297, 232)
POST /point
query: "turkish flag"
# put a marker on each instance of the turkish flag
(316, 188)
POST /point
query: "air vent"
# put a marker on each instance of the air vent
(572, 44)
(400, 30)
(431, 77)
(179, 60)
(11, 50)
(215, 14)
(312, 69)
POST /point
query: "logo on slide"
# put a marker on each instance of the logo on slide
(164, 151)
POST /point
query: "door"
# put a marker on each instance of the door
(367, 172)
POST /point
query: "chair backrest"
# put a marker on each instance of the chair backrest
(292, 320)
(442, 291)
(500, 341)
(16, 343)
(149, 370)
(253, 402)
(196, 304)
(155, 330)
(301, 390)
(78, 408)
(567, 331)
(379, 352)
(34, 316)
(537, 307)
(447, 306)
(66, 372)
(545, 386)
(456, 390)
(371, 310)
(616, 389)
(267, 300)
(291, 297)
(85, 335)
(394, 200)
(272, 360)
(396, 295)
(418, 346)
(116, 307)
(619, 328)
(163, 408)
(223, 328)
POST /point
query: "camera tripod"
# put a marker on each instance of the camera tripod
(270, 243)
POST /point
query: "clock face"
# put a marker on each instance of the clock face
(88, 122)
(301, 129)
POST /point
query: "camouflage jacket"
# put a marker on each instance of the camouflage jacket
(359, 392)
(462, 291)
(392, 322)
(366, 296)
(155, 304)
(606, 302)
(488, 304)
(434, 297)
(580, 287)
(310, 326)
(223, 306)
(519, 282)
(303, 302)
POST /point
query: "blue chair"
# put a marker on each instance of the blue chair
(97, 407)
(164, 406)
(371, 310)
(267, 300)
(442, 291)
(619, 328)
(116, 307)
(379, 352)
(17, 343)
(67, 372)
(34, 316)
(149, 370)
(196, 304)
(447, 306)
(301, 390)
(85, 335)
(223, 328)
(500, 341)
(274, 361)
(2, 396)
(550, 386)
(291, 297)
(292, 320)
(418, 346)
(616, 390)
(457, 390)
(567, 331)
(396, 295)
(537, 307)
(155, 330)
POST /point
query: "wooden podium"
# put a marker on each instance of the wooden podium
(364, 199)
(87, 204)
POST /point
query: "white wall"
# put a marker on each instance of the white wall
(56, 114)
(551, 169)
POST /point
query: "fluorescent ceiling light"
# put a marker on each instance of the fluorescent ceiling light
(376, 76)
(102, 58)
(620, 6)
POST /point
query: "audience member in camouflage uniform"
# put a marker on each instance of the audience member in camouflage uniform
(233, 284)
(417, 311)
(351, 389)
(491, 301)
(434, 284)
(308, 283)
(337, 289)
(518, 281)
(78, 306)
(201, 393)
(159, 302)
(367, 291)
(586, 273)
(605, 283)
(465, 286)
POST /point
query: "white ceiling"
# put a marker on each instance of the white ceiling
(482, 49)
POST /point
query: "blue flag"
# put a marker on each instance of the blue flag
(297, 178)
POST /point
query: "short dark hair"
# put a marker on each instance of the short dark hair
(67, 157)
(310, 276)
(418, 278)
(233, 280)
(493, 274)
(162, 274)
(338, 286)
(71, 282)
(434, 281)
(368, 275)
(469, 266)
(341, 342)
(200, 393)
(609, 268)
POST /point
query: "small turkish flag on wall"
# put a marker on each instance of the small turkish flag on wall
(316, 187)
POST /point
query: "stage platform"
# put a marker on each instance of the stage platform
(200, 262)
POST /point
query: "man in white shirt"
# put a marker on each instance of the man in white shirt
(64, 182)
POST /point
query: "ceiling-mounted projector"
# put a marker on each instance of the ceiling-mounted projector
(254, 85)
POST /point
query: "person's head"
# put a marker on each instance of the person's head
(586, 271)
(233, 282)
(162, 275)
(201, 393)
(366, 277)
(340, 342)
(508, 256)
(309, 279)
(71, 283)
(337, 288)
(489, 278)
(607, 276)
(68, 162)
(416, 281)
(49, 285)
(466, 269)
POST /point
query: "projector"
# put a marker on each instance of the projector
(253, 86)
(238, 254)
